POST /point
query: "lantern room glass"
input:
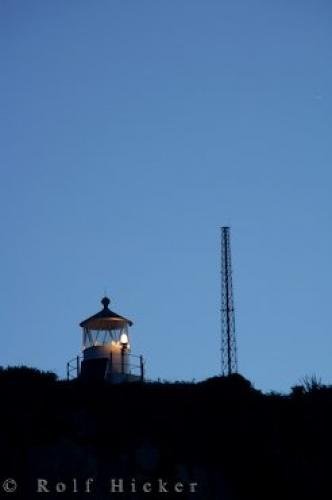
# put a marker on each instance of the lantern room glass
(93, 338)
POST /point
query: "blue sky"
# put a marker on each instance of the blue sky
(131, 131)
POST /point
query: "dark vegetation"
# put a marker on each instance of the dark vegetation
(235, 441)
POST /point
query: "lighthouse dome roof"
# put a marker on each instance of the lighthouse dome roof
(105, 319)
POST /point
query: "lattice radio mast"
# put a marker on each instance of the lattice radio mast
(228, 339)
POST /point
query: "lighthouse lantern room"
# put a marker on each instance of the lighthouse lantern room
(106, 351)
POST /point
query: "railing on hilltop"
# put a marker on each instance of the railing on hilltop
(132, 366)
(74, 368)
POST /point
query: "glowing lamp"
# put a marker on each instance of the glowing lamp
(124, 340)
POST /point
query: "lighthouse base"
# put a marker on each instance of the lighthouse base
(129, 368)
(101, 369)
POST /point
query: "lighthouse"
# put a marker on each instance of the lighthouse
(106, 349)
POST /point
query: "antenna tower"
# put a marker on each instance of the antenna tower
(228, 339)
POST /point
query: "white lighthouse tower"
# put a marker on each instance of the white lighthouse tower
(106, 351)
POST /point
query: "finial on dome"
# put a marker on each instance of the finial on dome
(106, 302)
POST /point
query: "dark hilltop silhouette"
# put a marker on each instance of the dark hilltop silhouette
(232, 440)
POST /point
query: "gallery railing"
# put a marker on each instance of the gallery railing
(131, 365)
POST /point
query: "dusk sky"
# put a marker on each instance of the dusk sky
(130, 132)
